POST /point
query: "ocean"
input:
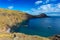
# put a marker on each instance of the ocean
(48, 26)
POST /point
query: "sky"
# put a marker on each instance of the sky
(33, 7)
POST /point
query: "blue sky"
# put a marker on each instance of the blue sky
(32, 6)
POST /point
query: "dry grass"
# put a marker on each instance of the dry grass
(20, 36)
(8, 18)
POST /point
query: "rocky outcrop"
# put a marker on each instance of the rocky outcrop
(55, 37)
(42, 15)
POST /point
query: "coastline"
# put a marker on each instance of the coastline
(20, 36)
(11, 20)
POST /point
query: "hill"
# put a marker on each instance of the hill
(8, 18)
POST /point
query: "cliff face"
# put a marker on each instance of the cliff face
(8, 18)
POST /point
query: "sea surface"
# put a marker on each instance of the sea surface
(42, 26)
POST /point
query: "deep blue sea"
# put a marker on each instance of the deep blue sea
(42, 26)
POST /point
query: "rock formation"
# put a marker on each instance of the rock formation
(55, 37)
(42, 15)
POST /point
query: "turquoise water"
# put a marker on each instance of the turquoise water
(42, 26)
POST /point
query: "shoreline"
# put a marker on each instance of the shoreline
(21, 36)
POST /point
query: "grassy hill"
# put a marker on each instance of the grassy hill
(8, 18)
(20, 36)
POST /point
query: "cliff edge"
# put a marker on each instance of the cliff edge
(8, 18)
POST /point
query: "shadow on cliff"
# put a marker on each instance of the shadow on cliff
(18, 26)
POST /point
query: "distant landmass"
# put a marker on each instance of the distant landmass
(42, 15)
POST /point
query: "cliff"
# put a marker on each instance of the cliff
(8, 18)
(42, 15)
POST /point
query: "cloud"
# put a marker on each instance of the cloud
(45, 9)
(10, 7)
(58, 5)
(49, 8)
(38, 2)
(46, 1)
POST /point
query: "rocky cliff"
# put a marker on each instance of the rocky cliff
(8, 18)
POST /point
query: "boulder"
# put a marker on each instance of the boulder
(55, 37)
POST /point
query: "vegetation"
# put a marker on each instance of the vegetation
(20, 36)
(8, 18)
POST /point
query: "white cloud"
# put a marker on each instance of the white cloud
(46, 1)
(58, 5)
(10, 7)
(45, 9)
(49, 8)
(38, 2)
